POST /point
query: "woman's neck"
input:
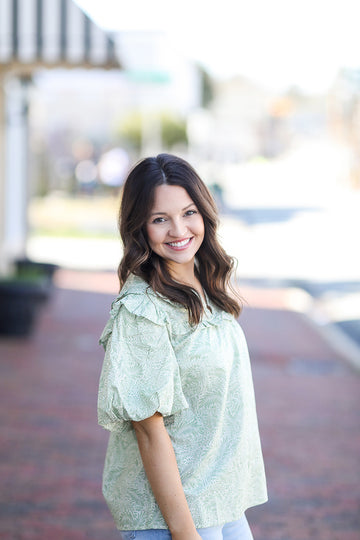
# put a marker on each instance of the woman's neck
(185, 274)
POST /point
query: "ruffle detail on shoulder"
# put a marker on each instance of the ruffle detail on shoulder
(216, 318)
(138, 304)
(139, 299)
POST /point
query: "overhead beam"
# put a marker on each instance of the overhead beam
(52, 32)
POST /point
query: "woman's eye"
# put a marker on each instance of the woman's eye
(190, 212)
(158, 220)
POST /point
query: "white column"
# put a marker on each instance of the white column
(16, 168)
(3, 262)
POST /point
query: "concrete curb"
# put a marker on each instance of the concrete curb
(343, 344)
(301, 301)
(314, 310)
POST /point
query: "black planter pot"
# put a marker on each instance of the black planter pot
(27, 265)
(20, 302)
(45, 271)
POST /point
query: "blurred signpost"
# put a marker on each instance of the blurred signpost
(143, 76)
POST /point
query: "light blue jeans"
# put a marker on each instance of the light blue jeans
(236, 530)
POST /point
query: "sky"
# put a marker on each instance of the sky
(279, 43)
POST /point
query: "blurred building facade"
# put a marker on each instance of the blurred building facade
(35, 34)
(129, 109)
(68, 129)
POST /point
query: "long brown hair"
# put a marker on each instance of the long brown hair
(213, 266)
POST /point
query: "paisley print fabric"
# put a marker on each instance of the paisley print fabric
(199, 379)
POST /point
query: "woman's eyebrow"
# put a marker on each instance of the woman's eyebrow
(164, 213)
(188, 206)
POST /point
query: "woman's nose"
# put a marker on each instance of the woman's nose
(177, 229)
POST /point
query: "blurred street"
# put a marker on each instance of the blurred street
(52, 450)
(288, 222)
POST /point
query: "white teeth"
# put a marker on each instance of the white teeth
(179, 244)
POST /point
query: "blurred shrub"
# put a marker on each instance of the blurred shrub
(207, 88)
(172, 129)
(131, 130)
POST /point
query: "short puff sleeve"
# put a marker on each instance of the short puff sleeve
(140, 374)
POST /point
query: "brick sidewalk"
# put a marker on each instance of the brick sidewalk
(52, 450)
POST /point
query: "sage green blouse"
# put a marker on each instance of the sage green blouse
(199, 379)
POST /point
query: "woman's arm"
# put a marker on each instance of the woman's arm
(161, 469)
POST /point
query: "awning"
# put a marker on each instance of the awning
(51, 33)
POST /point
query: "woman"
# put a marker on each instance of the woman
(184, 458)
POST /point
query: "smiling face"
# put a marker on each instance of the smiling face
(175, 228)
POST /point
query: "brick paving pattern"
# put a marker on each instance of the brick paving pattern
(52, 450)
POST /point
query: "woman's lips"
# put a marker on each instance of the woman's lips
(179, 246)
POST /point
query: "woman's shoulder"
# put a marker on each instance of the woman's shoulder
(140, 299)
(135, 300)
(134, 285)
(137, 287)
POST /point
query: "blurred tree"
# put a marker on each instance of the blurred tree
(173, 130)
(207, 88)
(130, 130)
